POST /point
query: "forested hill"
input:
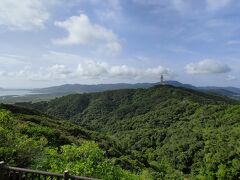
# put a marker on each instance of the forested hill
(164, 131)
(94, 110)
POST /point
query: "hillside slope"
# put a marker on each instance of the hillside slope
(31, 139)
(169, 131)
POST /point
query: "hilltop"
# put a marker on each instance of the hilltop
(82, 88)
(71, 105)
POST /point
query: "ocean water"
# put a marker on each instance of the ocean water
(15, 92)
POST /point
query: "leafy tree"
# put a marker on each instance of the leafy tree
(85, 160)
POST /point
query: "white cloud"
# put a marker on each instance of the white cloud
(157, 71)
(124, 70)
(59, 69)
(3, 73)
(88, 69)
(24, 14)
(54, 72)
(213, 5)
(91, 68)
(207, 66)
(94, 69)
(111, 49)
(57, 57)
(12, 60)
(231, 77)
(82, 31)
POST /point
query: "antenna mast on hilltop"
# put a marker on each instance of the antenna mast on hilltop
(162, 80)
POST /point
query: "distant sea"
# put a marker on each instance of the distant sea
(15, 92)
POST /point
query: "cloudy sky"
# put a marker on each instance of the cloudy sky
(51, 42)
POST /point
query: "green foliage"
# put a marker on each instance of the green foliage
(35, 141)
(85, 160)
(169, 131)
(158, 133)
(16, 148)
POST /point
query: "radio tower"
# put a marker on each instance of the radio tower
(162, 80)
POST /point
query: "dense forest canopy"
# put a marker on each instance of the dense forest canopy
(162, 132)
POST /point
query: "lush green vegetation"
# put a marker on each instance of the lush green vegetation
(38, 142)
(159, 133)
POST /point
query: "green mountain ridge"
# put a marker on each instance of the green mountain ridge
(83, 88)
(45, 94)
(170, 132)
(68, 106)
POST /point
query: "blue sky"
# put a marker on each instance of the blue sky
(51, 42)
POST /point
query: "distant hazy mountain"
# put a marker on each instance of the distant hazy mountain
(178, 84)
(48, 93)
(231, 92)
(80, 88)
(230, 89)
